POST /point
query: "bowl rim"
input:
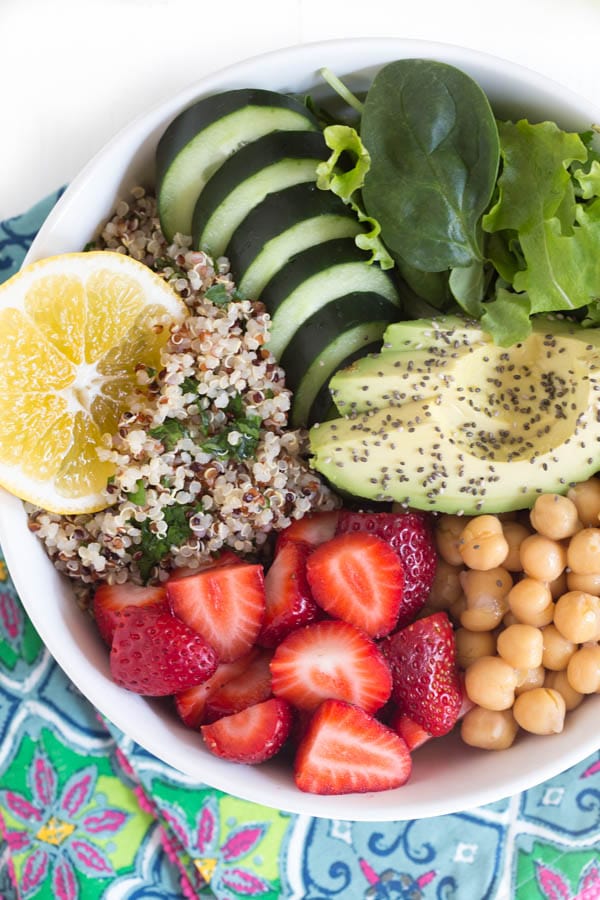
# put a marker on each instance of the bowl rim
(88, 671)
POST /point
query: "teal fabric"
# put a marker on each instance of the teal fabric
(87, 813)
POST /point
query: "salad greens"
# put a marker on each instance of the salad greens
(498, 220)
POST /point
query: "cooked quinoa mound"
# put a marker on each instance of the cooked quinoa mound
(204, 459)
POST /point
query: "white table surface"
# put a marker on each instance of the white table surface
(73, 72)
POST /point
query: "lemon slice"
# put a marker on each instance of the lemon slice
(73, 329)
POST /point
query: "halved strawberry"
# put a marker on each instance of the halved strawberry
(289, 602)
(251, 686)
(357, 577)
(251, 736)
(427, 686)
(313, 529)
(155, 654)
(410, 534)
(413, 734)
(225, 604)
(111, 599)
(223, 558)
(191, 704)
(345, 750)
(330, 659)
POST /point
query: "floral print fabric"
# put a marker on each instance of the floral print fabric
(86, 813)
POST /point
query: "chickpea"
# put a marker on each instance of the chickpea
(521, 646)
(577, 581)
(583, 553)
(458, 608)
(529, 678)
(530, 601)
(514, 534)
(489, 729)
(471, 645)
(577, 616)
(586, 497)
(447, 535)
(490, 682)
(558, 586)
(557, 649)
(540, 711)
(446, 588)
(560, 682)
(542, 558)
(485, 594)
(482, 544)
(555, 517)
(583, 671)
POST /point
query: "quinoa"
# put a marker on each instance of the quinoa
(204, 460)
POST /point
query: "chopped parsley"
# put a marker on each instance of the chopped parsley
(155, 546)
(220, 295)
(189, 385)
(138, 496)
(247, 428)
(169, 433)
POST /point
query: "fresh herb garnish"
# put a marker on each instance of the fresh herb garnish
(189, 385)
(91, 245)
(220, 295)
(169, 433)
(246, 427)
(138, 496)
(155, 546)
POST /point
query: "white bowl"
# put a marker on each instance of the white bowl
(448, 776)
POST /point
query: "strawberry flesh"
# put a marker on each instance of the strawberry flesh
(191, 704)
(225, 604)
(410, 534)
(155, 654)
(251, 736)
(251, 686)
(345, 750)
(289, 602)
(313, 529)
(330, 659)
(426, 684)
(357, 577)
(111, 599)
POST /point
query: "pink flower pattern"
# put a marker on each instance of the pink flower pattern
(554, 885)
(59, 829)
(218, 862)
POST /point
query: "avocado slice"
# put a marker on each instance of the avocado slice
(443, 419)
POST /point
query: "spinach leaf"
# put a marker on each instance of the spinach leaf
(434, 148)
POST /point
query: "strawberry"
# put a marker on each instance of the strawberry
(427, 688)
(410, 731)
(313, 529)
(155, 654)
(289, 602)
(357, 577)
(225, 604)
(191, 704)
(251, 736)
(345, 750)
(252, 685)
(410, 534)
(111, 599)
(223, 558)
(330, 659)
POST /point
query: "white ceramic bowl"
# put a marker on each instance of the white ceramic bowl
(447, 776)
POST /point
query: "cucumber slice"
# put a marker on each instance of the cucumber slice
(270, 163)
(199, 140)
(313, 279)
(344, 327)
(323, 407)
(285, 223)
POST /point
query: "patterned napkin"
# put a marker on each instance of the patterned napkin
(87, 813)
